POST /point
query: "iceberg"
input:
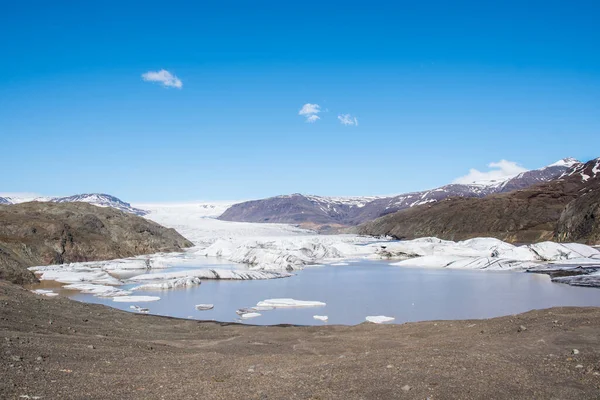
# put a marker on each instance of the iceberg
(98, 290)
(170, 284)
(209, 273)
(140, 309)
(204, 307)
(135, 299)
(323, 318)
(289, 303)
(379, 319)
(250, 315)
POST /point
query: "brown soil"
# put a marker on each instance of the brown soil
(57, 348)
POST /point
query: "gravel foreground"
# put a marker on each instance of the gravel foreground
(56, 348)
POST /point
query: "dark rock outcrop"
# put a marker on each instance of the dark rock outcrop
(38, 233)
(565, 209)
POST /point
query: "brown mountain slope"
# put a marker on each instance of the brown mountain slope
(527, 215)
(39, 233)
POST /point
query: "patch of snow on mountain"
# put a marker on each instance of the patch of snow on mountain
(101, 200)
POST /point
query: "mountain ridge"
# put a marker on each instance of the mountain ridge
(325, 212)
(564, 209)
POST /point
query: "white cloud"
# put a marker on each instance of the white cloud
(164, 77)
(500, 170)
(347, 119)
(310, 111)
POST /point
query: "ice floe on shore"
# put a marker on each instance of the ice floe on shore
(45, 292)
(98, 290)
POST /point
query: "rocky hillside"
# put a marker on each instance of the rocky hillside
(297, 208)
(304, 209)
(38, 233)
(563, 209)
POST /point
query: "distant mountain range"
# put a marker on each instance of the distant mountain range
(324, 212)
(563, 209)
(97, 199)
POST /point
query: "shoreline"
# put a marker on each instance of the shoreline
(61, 348)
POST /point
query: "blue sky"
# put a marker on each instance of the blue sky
(437, 88)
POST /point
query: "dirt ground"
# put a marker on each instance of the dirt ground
(56, 348)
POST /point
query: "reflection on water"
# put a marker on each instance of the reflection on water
(358, 290)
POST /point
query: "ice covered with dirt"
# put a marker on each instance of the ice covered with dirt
(210, 273)
(486, 254)
(45, 292)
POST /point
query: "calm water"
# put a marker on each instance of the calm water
(370, 288)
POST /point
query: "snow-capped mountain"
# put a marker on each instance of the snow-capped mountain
(587, 171)
(298, 208)
(101, 200)
(4, 201)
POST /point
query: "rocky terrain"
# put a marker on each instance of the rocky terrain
(327, 212)
(564, 209)
(39, 233)
(55, 348)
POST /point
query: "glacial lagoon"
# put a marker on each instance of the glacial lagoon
(366, 288)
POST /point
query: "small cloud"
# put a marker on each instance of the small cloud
(500, 170)
(347, 119)
(164, 77)
(310, 111)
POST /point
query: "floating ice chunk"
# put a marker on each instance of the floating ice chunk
(44, 292)
(339, 264)
(204, 307)
(323, 318)
(209, 273)
(140, 309)
(289, 303)
(250, 315)
(135, 299)
(170, 284)
(253, 309)
(379, 319)
(98, 290)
